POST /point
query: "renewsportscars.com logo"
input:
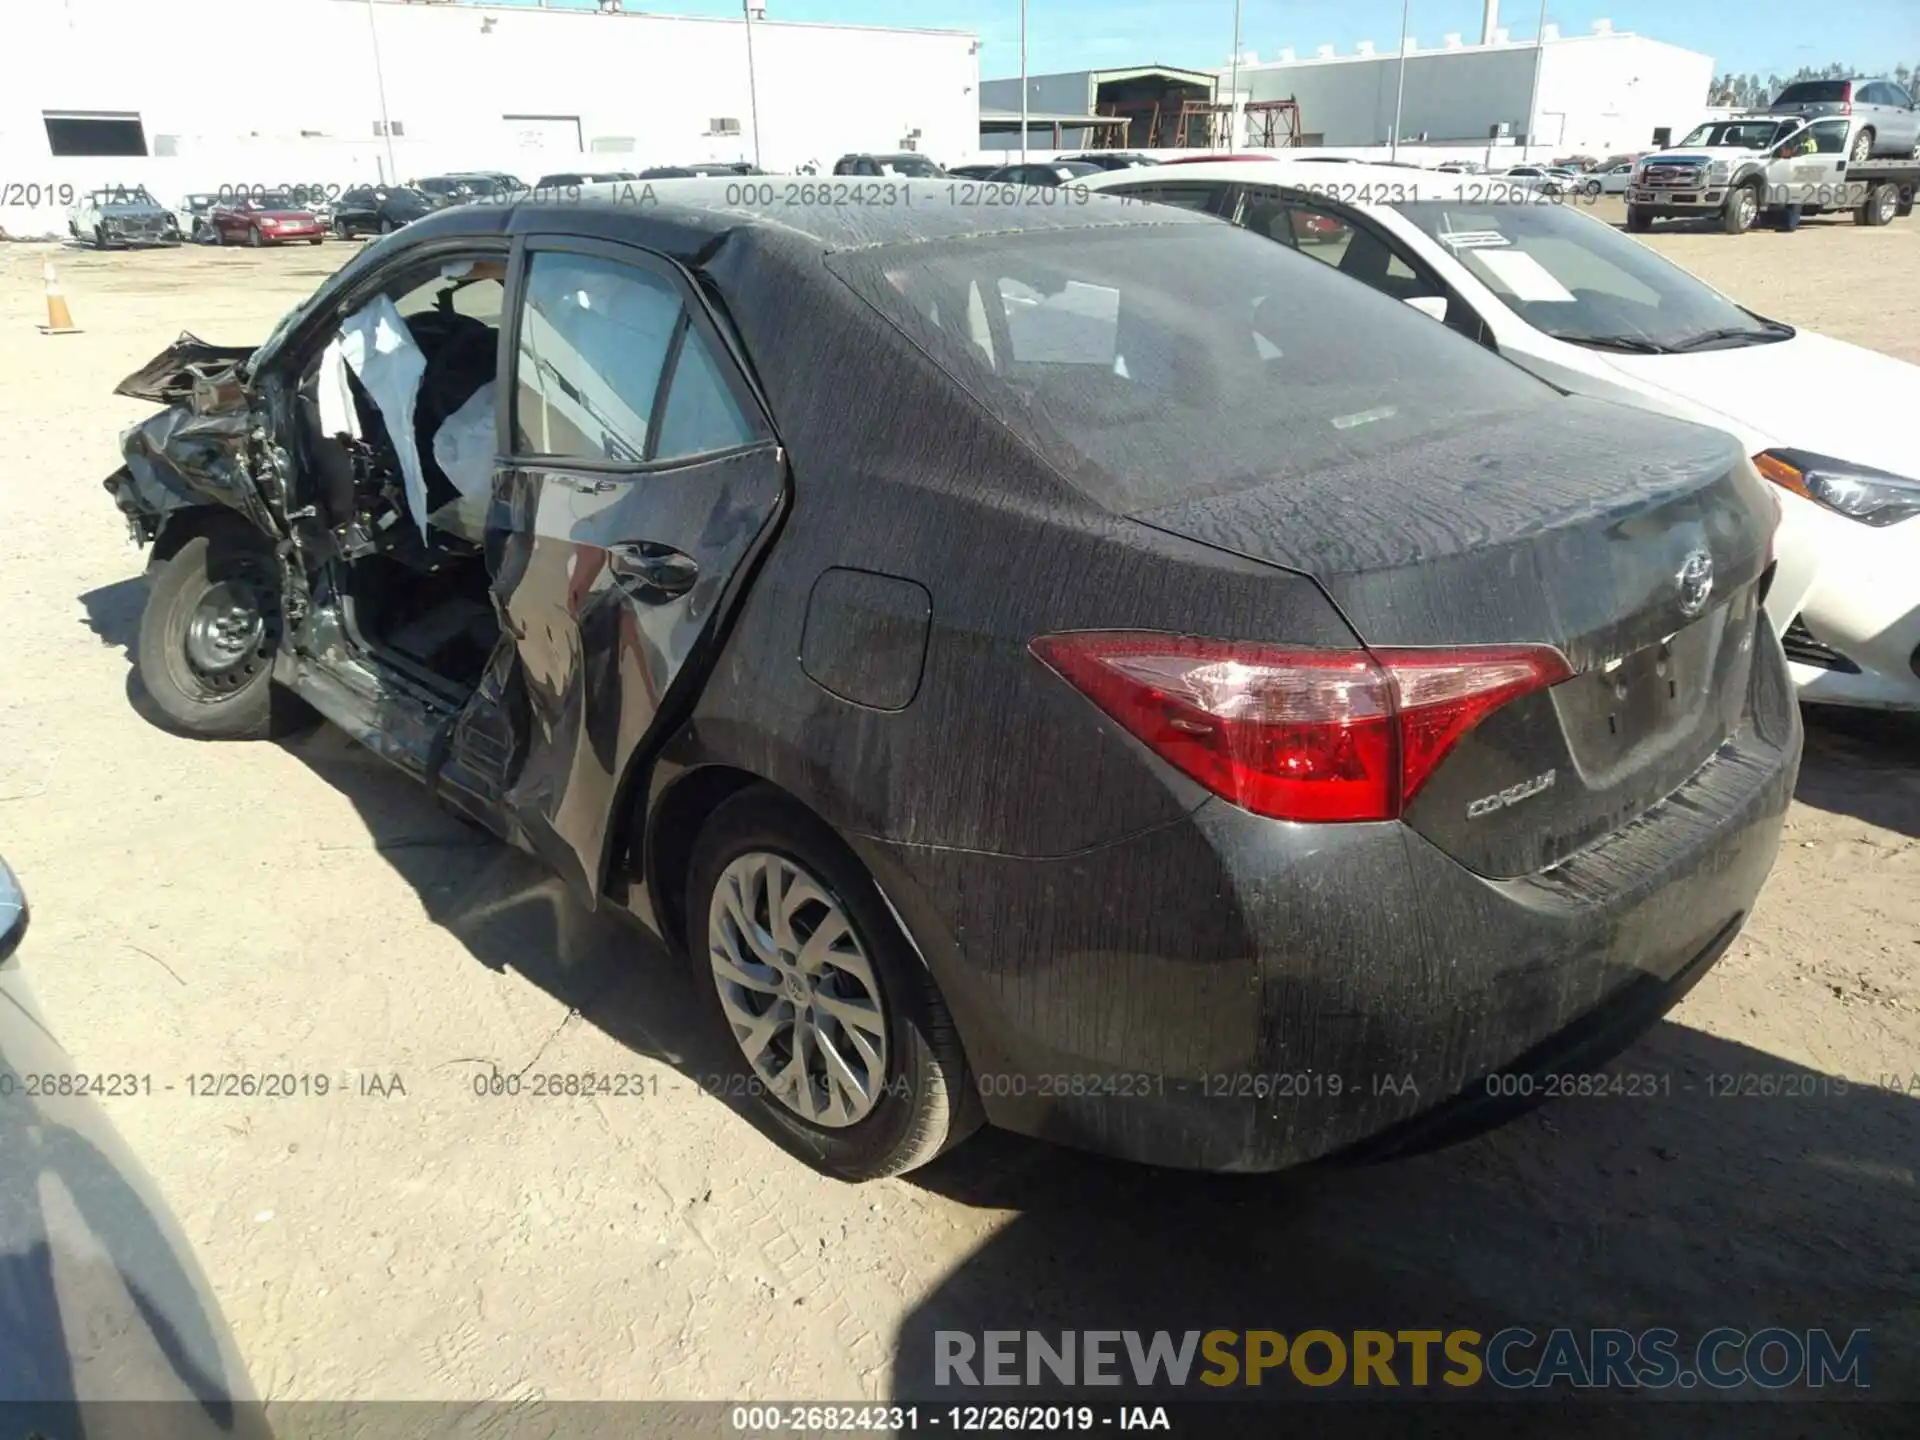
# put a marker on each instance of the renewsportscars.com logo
(1511, 1359)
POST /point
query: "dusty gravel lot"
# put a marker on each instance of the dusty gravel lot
(298, 908)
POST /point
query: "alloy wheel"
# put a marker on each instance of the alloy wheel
(798, 989)
(1862, 146)
(1748, 204)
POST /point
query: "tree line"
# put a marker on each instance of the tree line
(1752, 92)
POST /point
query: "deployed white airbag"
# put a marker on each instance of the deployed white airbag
(380, 349)
(463, 449)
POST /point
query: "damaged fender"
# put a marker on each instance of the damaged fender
(198, 451)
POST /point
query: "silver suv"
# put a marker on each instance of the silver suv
(1889, 122)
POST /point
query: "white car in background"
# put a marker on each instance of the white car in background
(1595, 312)
(1616, 179)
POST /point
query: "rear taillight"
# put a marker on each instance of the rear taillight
(1316, 735)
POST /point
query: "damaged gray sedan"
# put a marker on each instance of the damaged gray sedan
(1092, 669)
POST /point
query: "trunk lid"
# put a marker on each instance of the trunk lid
(1593, 532)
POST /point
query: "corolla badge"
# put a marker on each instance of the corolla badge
(1696, 582)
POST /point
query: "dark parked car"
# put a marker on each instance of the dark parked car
(377, 210)
(1889, 121)
(1043, 172)
(445, 190)
(1112, 159)
(700, 171)
(574, 179)
(101, 1299)
(973, 172)
(908, 164)
(1264, 724)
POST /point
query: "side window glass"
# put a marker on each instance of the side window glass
(1187, 197)
(701, 415)
(594, 336)
(1830, 136)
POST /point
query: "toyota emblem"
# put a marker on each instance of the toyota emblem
(1696, 582)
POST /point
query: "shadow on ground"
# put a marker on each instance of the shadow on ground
(1704, 1205)
(1692, 1209)
(1865, 764)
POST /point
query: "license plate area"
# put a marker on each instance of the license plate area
(1683, 691)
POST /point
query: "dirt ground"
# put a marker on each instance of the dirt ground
(297, 908)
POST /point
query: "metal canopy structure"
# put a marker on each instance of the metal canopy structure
(1109, 132)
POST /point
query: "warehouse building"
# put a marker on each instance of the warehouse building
(1599, 93)
(1061, 108)
(394, 88)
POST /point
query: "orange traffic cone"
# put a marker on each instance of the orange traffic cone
(59, 318)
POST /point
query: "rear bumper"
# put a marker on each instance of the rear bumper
(1232, 993)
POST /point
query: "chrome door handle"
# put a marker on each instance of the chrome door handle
(651, 567)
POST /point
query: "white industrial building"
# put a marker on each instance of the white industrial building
(286, 91)
(1599, 93)
(1596, 94)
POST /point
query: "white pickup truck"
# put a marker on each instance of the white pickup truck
(1747, 166)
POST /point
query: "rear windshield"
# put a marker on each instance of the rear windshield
(1815, 92)
(1152, 365)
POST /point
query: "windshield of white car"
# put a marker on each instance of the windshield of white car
(1580, 280)
(1158, 363)
(1739, 134)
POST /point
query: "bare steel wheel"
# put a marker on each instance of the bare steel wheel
(797, 989)
(852, 1059)
(227, 633)
(209, 635)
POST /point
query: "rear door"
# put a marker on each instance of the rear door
(638, 479)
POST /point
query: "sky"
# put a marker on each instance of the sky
(1763, 36)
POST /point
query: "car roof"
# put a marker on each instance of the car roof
(1394, 182)
(684, 218)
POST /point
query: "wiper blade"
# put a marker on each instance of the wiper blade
(1735, 335)
(1634, 343)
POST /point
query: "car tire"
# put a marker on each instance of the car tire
(316, 239)
(1741, 209)
(1638, 220)
(386, 225)
(1881, 205)
(209, 634)
(1592, 189)
(919, 1097)
(254, 237)
(100, 237)
(1862, 147)
(343, 229)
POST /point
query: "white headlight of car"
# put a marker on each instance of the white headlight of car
(1719, 172)
(1874, 497)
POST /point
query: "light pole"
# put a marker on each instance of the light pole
(1400, 87)
(1533, 101)
(1233, 86)
(753, 88)
(380, 84)
(1023, 82)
